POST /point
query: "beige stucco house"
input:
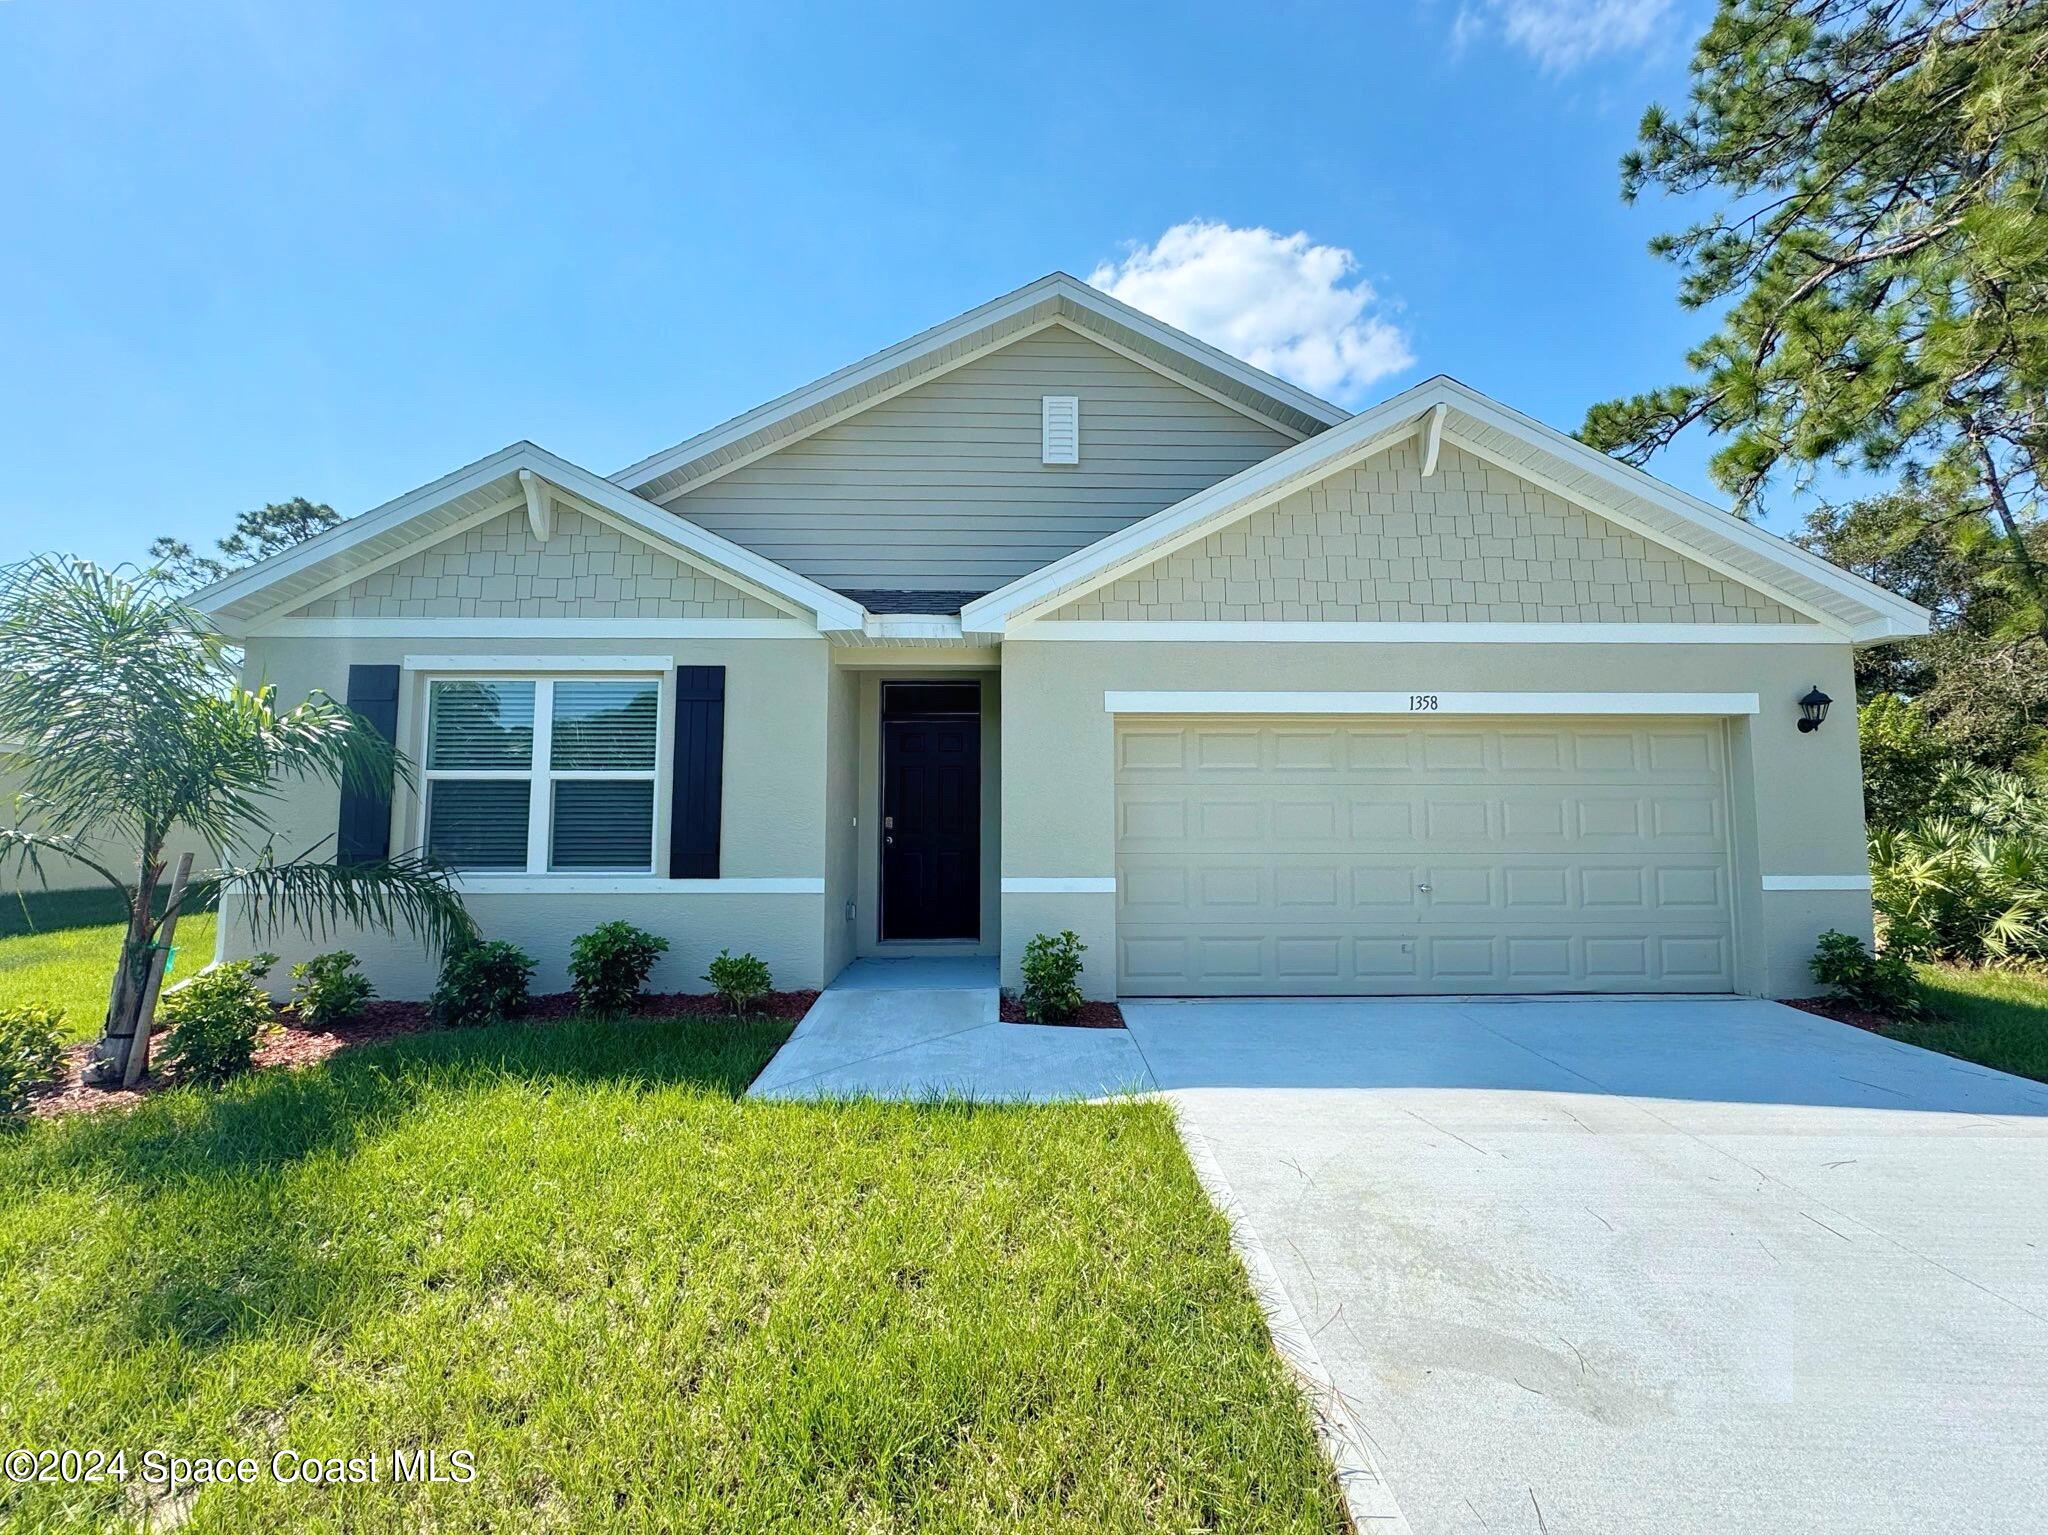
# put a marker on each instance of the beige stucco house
(1054, 617)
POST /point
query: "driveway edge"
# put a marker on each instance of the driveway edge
(1367, 1497)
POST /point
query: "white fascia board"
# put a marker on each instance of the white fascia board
(1338, 632)
(1371, 432)
(1428, 705)
(537, 628)
(1056, 285)
(852, 376)
(911, 626)
(343, 580)
(700, 546)
(1703, 513)
(345, 536)
(1117, 312)
(1661, 537)
(1184, 380)
(1150, 538)
(833, 610)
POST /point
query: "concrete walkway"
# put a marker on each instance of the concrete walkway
(928, 1028)
(1675, 1266)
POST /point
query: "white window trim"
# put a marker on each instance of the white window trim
(1438, 704)
(541, 776)
(455, 668)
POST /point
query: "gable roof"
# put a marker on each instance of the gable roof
(1056, 299)
(1859, 610)
(485, 489)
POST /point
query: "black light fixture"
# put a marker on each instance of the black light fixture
(1813, 708)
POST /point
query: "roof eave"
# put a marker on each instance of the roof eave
(1884, 615)
(834, 613)
(819, 396)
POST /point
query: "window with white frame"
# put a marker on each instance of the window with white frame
(542, 775)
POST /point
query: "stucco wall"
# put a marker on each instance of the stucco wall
(772, 826)
(1796, 800)
(585, 569)
(1471, 544)
(840, 917)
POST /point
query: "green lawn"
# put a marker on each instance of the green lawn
(62, 949)
(639, 1303)
(1994, 1017)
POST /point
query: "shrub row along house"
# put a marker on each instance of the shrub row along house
(1053, 617)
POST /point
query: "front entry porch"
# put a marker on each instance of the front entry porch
(919, 1029)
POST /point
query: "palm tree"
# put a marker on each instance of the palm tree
(125, 719)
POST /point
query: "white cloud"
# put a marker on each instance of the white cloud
(1280, 302)
(1561, 35)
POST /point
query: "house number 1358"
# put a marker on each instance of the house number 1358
(1421, 703)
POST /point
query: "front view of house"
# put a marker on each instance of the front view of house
(1055, 617)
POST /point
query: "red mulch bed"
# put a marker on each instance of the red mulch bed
(292, 1045)
(1093, 1015)
(1842, 1012)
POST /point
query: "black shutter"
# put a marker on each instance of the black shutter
(364, 834)
(699, 773)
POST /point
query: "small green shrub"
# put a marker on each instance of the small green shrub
(216, 1019)
(740, 979)
(609, 964)
(31, 1050)
(482, 982)
(1052, 977)
(328, 989)
(1881, 983)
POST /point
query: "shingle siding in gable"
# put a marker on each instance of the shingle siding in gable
(586, 569)
(942, 487)
(1473, 544)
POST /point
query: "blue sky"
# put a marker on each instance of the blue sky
(254, 251)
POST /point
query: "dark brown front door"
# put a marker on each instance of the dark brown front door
(931, 810)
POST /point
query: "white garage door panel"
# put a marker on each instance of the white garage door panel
(1388, 856)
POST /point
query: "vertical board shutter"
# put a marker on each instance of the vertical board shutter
(364, 834)
(699, 773)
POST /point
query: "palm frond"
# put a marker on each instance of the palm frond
(410, 892)
(22, 851)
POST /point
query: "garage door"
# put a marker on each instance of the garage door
(1313, 857)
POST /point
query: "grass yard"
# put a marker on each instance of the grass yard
(640, 1303)
(1997, 1018)
(61, 951)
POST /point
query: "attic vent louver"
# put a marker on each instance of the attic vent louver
(1061, 416)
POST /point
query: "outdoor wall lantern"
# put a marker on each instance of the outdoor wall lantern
(1813, 708)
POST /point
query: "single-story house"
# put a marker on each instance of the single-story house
(1055, 617)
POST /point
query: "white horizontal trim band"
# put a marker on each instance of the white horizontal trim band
(1816, 882)
(1425, 705)
(912, 626)
(539, 665)
(631, 884)
(1076, 885)
(541, 628)
(1179, 631)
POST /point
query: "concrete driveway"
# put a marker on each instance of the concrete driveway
(1645, 1266)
